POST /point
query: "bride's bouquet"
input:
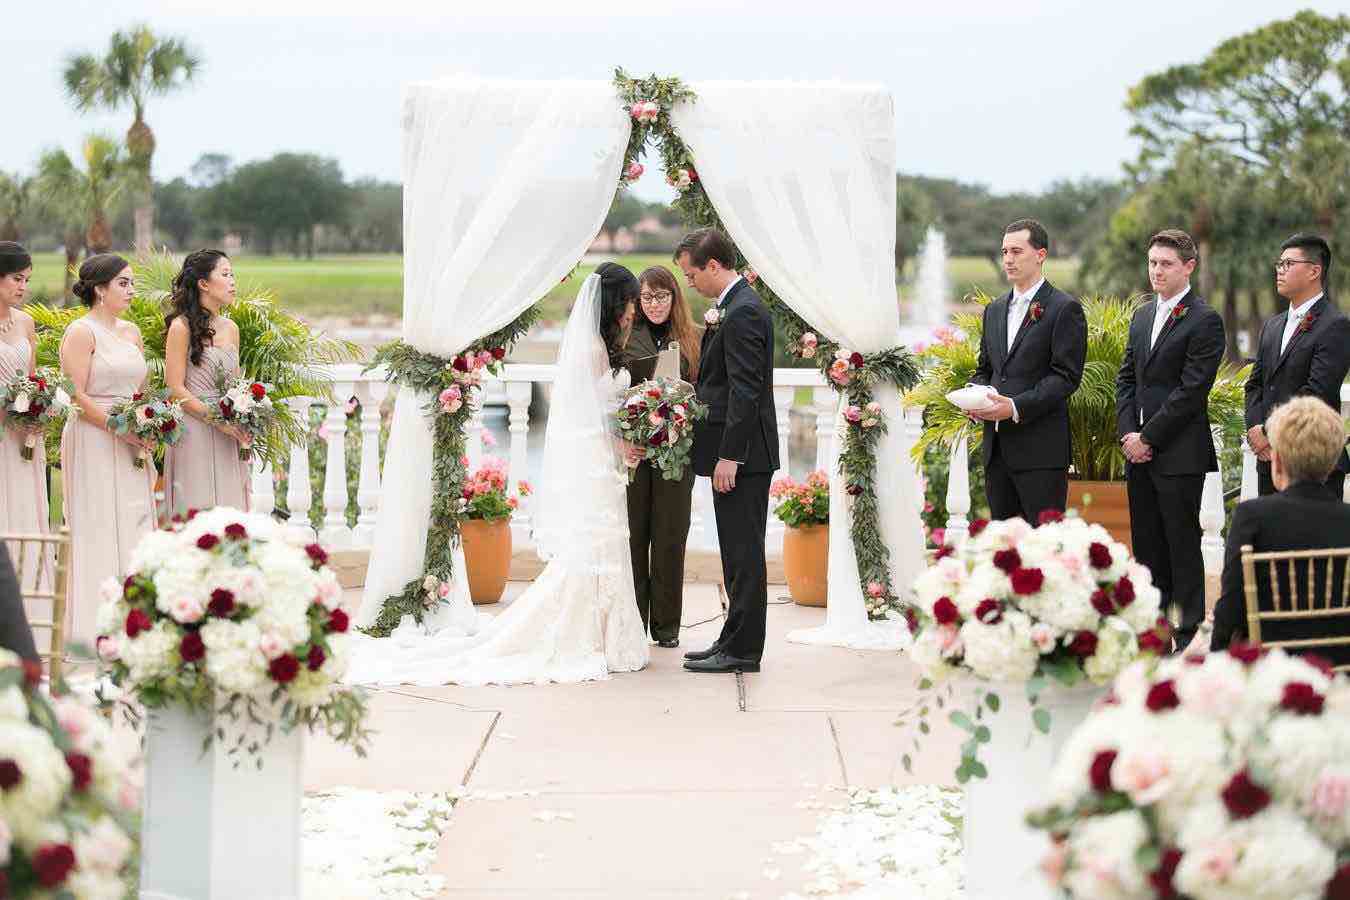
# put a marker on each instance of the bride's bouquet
(1227, 779)
(32, 401)
(154, 417)
(245, 404)
(227, 607)
(658, 418)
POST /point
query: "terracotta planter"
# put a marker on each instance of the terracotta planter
(1109, 506)
(487, 553)
(806, 555)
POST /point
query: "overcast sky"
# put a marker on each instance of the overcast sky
(1009, 94)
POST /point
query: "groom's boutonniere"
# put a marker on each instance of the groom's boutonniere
(1179, 312)
(1037, 309)
(712, 318)
(1307, 323)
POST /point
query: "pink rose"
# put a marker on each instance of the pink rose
(919, 347)
(489, 441)
(129, 791)
(1072, 562)
(949, 640)
(1217, 860)
(272, 646)
(451, 399)
(874, 408)
(1054, 862)
(330, 595)
(186, 609)
(870, 423)
(1043, 636)
(875, 590)
(443, 590)
(1144, 774)
(1330, 796)
(839, 372)
(853, 414)
(108, 648)
(634, 171)
(656, 420)
(939, 536)
(750, 276)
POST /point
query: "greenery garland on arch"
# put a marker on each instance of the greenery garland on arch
(450, 383)
(649, 101)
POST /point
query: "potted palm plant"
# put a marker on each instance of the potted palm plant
(1096, 485)
(804, 508)
(485, 528)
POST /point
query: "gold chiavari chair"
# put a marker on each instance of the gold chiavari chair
(41, 562)
(1310, 578)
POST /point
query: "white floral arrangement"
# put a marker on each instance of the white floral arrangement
(1226, 778)
(226, 609)
(1060, 603)
(69, 794)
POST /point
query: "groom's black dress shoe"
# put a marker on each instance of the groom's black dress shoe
(721, 662)
(702, 654)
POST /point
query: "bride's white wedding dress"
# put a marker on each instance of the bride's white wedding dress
(578, 621)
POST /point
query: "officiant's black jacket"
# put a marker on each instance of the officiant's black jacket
(1304, 516)
(1313, 364)
(1169, 384)
(1040, 371)
(735, 379)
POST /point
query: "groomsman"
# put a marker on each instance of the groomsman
(1162, 420)
(1031, 353)
(1302, 351)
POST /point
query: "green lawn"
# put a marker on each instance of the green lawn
(357, 286)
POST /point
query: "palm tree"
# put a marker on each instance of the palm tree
(83, 198)
(15, 192)
(137, 66)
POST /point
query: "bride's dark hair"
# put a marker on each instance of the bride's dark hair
(618, 288)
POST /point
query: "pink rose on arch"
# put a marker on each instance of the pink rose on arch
(750, 275)
(839, 372)
(634, 171)
(451, 399)
(875, 590)
(874, 408)
(443, 590)
(853, 414)
(645, 111)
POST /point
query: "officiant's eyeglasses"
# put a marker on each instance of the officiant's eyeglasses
(1284, 265)
(656, 298)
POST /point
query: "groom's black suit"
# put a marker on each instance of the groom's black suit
(735, 379)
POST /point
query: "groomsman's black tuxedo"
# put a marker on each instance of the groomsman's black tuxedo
(1026, 463)
(735, 379)
(1162, 392)
(1314, 363)
(1304, 516)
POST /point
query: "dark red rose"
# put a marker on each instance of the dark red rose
(1299, 697)
(226, 409)
(1319, 663)
(1124, 591)
(41, 383)
(1100, 772)
(1244, 797)
(149, 413)
(912, 620)
(222, 603)
(191, 648)
(52, 863)
(1027, 581)
(1102, 603)
(315, 659)
(944, 551)
(663, 410)
(1083, 645)
(856, 360)
(989, 611)
(657, 439)
(1151, 642)
(1338, 888)
(257, 390)
(977, 526)
(854, 490)
(654, 393)
(1049, 517)
(207, 541)
(192, 513)
(236, 532)
(137, 621)
(168, 426)
(32, 673)
(693, 176)
(1160, 879)
(1008, 560)
(137, 397)
(284, 668)
(1246, 653)
(1099, 555)
(498, 353)
(459, 364)
(945, 611)
(317, 554)
(10, 774)
(1162, 696)
(35, 409)
(81, 770)
(338, 621)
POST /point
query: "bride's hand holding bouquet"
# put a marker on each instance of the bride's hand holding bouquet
(656, 423)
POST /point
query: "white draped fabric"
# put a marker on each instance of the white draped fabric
(505, 183)
(803, 177)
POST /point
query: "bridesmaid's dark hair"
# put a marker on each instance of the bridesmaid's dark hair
(96, 271)
(187, 300)
(618, 288)
(13, 258)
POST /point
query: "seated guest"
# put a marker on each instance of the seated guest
(1306, 438)
(15, 635)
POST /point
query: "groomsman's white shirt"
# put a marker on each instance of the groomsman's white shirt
(1162, 311)
(727, 290)
(1017, 311)
(1295, 317)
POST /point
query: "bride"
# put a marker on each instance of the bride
(579, 620)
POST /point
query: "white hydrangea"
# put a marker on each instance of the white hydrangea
(13, 704)
(1116, 648)
(152, 653)
(1104, 852)
(233, 658)
(1242, 860)
(1001, 652)
(102, 849)
(1295, 751)
(44, 780)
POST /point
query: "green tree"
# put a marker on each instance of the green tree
(138, 65)
(86, 195)
(174, 210)
(284, 198)
(15, 194)
(375, 220)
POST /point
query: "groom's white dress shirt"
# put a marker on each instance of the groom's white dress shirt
(1163, 311)
(1295, 319)
(727, 290)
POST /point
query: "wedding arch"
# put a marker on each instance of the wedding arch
(505, 185)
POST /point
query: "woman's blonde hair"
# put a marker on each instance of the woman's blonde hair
(1308, 436)
(682, 327)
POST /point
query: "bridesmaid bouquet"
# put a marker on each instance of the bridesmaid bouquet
(152, 417)
(69, 793)
(32, 401)
(246, 405)
(1227, 779)
(658, 417)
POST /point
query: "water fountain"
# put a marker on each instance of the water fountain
(931, 289)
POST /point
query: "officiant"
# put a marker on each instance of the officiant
(659, 510)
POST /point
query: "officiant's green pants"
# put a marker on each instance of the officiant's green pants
(658, 527)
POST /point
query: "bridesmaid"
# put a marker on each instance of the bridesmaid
(110, 503)
(659, 510)
(204, 469)
(23, 482)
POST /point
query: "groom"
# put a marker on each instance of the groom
(737, 445)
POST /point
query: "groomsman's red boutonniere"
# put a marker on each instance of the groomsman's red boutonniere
(1307, 323)
(1179, 312)
(1036, 310)
(712, 318)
